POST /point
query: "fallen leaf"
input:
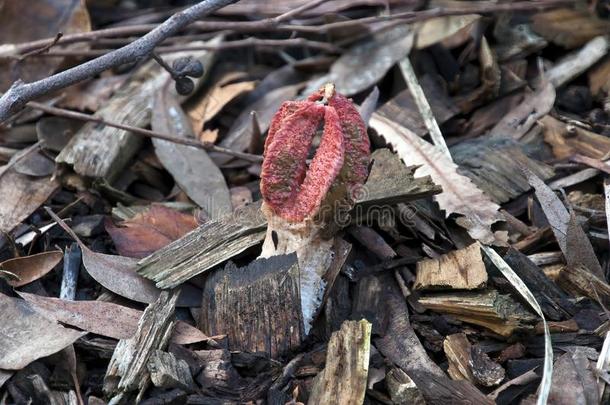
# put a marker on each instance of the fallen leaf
(118, 274)
(238, 137)
(192, 168)
(31, 268)
(21, 196)
(90, 95)
(27, 335)
(35, 165)
(520, 119)
(574, 381)
(460, 195)
(438, 29)
(364, 64)
(571, 238)
(39, 20)
(215, 99)
(568, 27)
(150, 230)
(103, 318)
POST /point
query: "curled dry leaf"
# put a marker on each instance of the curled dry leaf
(27, 335)
(460, 195)
(192, 168)
(438, 29)
(31, 268)
(150, 230)
(39, 20)
(104, 318)
(117, 273)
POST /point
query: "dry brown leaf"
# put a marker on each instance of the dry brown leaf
(30, 268)
(192, 168)
(118, 274)
(459, 196)
(215, 100)
(572, 240)
(38, 20)
(150, 230)
(27, 335)
(519, 120)
(568, 27)
(21, 196)
(90, 95)
(104, 318)
(438, 29)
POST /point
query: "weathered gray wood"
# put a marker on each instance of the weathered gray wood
(216, 241)
(168, 372)
(494, 165)
(258, 307)
(127, 373)
(402, 389)
(343, 380)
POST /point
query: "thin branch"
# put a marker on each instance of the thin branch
(20, 93)
(271, 24)
(60, 112)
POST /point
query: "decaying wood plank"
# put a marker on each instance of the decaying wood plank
(460, 269)
(103, 152)
(489, 309)
(168, 372)
(127, 371)
(258, 306)
(401, 346)
(494, 165)
(343, 380)
(21, 196)
(214, 242)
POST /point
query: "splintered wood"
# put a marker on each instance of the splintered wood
(460, 269)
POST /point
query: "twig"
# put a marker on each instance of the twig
(423, 106)
(20, 93)
(43, 49)
(241, 43)
(271, 24)
(60, 112)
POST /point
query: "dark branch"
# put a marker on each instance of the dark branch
(20, 93)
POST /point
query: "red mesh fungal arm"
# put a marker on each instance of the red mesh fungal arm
(294, 191)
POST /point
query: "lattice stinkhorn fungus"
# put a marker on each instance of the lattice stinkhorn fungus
(300, 200)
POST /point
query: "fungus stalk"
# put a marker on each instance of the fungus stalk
(302, 202)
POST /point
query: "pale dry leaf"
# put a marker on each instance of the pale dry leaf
(215, 100)
(192, 168)
(31, 268)
(460, 195)
(27, 335)
(438, 29)
(103, 318)
(364, 64)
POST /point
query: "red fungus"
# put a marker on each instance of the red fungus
(292, 190)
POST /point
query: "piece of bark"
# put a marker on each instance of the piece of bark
(457, 349)
(402, 389)
(489, 309)
(580, 282)
(494, 166)
(459, 269)
(217, 241)
(373, 241)
(21, 196)
(168, 372)
(574, 381)
(217, 372)
(127, 371)
(485, 371)
(104, 152)
(567, 140)
(343, 380)
(258, 306)
(401, 346)
(553, 301)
